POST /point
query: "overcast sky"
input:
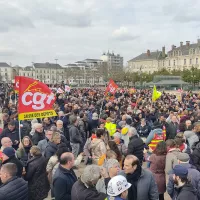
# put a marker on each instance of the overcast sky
(72, 30)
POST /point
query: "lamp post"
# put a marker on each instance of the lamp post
(56, 70)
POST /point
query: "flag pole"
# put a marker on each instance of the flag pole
(20, 137)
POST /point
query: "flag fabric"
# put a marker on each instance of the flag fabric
(156, 94)
(60, 91)
(112, 87)
(67, 88)
(16, 85)
(35, 99)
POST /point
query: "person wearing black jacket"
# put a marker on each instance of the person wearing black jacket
(9, 157)
(136, 145)
(184, 188)
(12, 132)
(39, 134)
(13, 187)
(64, 177)
(38, 184)
(52, 145)
(75, 136)
(143, 129)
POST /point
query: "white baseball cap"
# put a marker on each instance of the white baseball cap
(117, 185)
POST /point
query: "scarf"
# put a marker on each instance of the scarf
(133, 179)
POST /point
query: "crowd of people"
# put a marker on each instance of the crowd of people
(130, 148)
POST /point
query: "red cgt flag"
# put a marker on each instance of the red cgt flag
(16, 86)
(112, 87)
(35, 99)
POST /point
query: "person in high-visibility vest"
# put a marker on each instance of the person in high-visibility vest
(158, 138)
(110, 127)
(156, 135)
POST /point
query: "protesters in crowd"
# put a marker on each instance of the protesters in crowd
(143, 182)
(12, 186)
(193, 176)
(157, 167)
(6, 142)
(184, 189)
(85, 187)
(38, 134)
(64, 177)
(75, 136)
(9, 157)
(13, 133)
(98, 146)
(52, 145)
(42, 144)
(23, 152)
(118, 188)
(136, 145)
(38, 185)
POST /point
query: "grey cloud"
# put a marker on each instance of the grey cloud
(12, 17)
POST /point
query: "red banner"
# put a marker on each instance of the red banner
(35, 99)
(112, 87)
(16, 86)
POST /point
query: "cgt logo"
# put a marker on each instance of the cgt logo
(34, 97)
(37, 100)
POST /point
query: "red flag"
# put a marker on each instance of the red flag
(16, 86)
(112, 87)
(35, 99)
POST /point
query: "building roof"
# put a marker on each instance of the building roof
(47, 65)
(185, 48)
(4, 64)
(28, 68)
(168, 82)
(92, 60)
(156, 55)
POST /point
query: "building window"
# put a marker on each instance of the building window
(174, 62)
(163, 64)
(169, 62)
(197, 60)
(193, 51)
(190, 61)
(184, 61)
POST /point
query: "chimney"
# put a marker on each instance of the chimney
(163, 52)
(181, 44)
(188, 43)
(148, 52)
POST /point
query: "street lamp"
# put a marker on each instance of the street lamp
(56, 69)
(141, 77)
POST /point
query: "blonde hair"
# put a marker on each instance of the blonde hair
(54, 136)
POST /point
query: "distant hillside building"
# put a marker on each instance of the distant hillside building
(115, 62)
(184, 56)
(147, 62)
(6, 72)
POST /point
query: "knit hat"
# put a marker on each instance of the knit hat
(180, 171)
(118, 135)
(124, 131)
(183, 157)
(129, 121)
(9, 151)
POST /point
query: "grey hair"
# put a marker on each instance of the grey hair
(91, 174)
(60, 121)
(110, 163)
(36, 125)
(132, 131)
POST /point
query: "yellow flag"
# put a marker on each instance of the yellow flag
(156, 94)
